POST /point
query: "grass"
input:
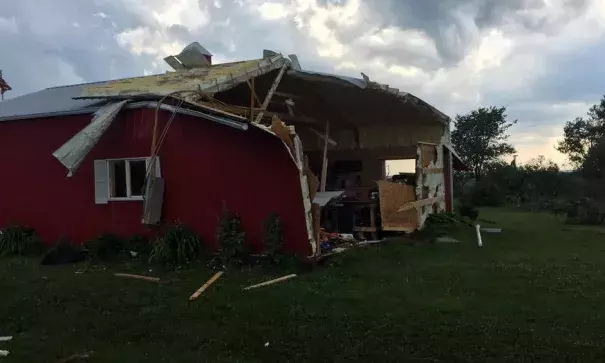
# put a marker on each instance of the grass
(534, 292)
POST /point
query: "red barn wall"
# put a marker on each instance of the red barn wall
(204, 164)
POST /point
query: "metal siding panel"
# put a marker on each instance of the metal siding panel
(101, 182)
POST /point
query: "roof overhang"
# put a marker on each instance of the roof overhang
(457, 161)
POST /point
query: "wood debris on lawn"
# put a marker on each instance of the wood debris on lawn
(6, 339)
(77, 356)
(139, 277)
(199, 291)
(4, 353)
(270, 282)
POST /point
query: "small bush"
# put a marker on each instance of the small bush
(105, 247)
(19, 240)
(438, 225)
(232, 239)
(178, 246)
(273, 238)
(585, 211)
(62, 252)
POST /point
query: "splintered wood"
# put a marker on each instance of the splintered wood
(280, 129)
(392, 197)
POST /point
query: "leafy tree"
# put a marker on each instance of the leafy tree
(481, 137)
(593, 166)
(582, 134)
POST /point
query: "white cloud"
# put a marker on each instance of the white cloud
(272, 10)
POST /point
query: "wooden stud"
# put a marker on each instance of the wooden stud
(270, 282)
(324, 166)
(373, 221)
(199, 291)
(420, 203)
(271, 91)
(323, 137)
(139, 277)
(252, 95)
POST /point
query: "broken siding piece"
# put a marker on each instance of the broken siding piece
(75, 149)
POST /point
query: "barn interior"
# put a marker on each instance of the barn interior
(350, 129)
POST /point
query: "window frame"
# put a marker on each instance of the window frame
(129, 196)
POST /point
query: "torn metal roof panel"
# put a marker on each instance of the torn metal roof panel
(47, 102)
(365, 83)
(217, 78)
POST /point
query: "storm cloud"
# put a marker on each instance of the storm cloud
(539, 58)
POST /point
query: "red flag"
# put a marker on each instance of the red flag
(3, 86)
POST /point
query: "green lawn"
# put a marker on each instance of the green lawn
(534, 292)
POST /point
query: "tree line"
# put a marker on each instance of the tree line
(481, 137)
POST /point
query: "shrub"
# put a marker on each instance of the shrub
(105, 247)
(63, 251)
(231, 239)
(438, 225)
(178, 246)
(585, 211)
(273, 238)
(19, 240)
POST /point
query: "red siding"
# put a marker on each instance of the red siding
(204, 164)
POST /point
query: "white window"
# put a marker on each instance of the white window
(121, 179)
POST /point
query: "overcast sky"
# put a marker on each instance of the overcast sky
(543, 59)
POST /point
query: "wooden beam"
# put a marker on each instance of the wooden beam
(323, 137)
(419, 203)
(324, 167)
(199, 291)
(271, 92)
(288, 117)
(252, 96)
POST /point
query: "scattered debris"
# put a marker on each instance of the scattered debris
(139, 277)
(6, 339)
(447, 239)
(270, 282)
(492, 230)
(478, 229)
(331, 240)
(77, 356)
(199, 291)
(266, 344)
(367, 243)
(4, 353)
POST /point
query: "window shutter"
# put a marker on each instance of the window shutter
(101, 182)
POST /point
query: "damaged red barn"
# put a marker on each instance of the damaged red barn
(259, 137)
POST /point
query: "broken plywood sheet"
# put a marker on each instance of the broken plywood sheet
(392, 197)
